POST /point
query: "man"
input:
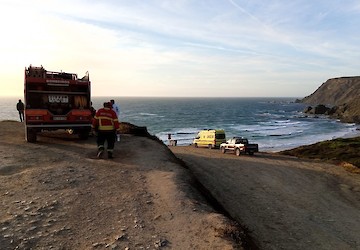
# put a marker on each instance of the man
(20, 108)
(106, 125)
(93, 113)
(115, 107)
(92, 109)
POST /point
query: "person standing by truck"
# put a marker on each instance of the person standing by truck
(20, 108)
(92, 109)
(115, 107)
(106, 125)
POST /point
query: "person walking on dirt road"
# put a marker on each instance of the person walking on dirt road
(105, 125)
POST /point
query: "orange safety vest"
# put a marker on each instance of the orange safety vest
(105, 119)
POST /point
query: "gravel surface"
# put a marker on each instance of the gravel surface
(56, 195)
(284, 202)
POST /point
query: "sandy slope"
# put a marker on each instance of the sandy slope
(285, 203)
(54, 195)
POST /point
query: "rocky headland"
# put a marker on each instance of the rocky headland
(338, 98)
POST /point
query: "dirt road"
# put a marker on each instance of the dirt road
(55, 195)
(285, 203)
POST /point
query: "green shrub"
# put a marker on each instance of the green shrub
(337, 150)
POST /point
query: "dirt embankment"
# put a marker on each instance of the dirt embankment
(55, 195)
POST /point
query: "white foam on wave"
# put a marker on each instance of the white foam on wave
(184, 136)
(272, 128)
(284, 143)
(150, 114)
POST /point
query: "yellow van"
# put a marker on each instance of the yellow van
(211, 138)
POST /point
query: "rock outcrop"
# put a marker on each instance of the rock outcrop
(337, 97)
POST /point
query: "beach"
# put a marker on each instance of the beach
(56, 195)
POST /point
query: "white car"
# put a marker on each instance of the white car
(239, 145)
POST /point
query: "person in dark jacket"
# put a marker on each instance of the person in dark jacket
(20, 108)
(92, 109)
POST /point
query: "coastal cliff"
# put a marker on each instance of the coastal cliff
(341, 96)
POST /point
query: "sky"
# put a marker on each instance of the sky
(182, 48)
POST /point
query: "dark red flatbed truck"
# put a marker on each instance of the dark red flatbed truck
(56, 100)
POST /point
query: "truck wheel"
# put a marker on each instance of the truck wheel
(30, 135)
(70, 131)
(223, 150)
(237, 152)
(210, 146)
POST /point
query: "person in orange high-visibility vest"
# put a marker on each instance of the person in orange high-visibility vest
(105, 125)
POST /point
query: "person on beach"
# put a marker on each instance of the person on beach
(20, 108)
(115, 107)
(105, 125)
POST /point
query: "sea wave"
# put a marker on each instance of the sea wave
(273, 123)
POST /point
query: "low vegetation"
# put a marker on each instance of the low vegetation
(345, 152)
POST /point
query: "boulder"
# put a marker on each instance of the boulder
(308, 109)
(317, 110)
(128, 128)
(321, 109)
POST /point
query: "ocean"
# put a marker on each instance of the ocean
(273, 123)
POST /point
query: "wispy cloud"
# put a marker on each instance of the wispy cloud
(165, 45)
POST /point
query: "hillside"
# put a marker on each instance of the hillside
(342, 94)
(342, 151)
(55, 194)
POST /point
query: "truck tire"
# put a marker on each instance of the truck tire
(223, 150)
(70, 131)
(30, 135)
(237, 152)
